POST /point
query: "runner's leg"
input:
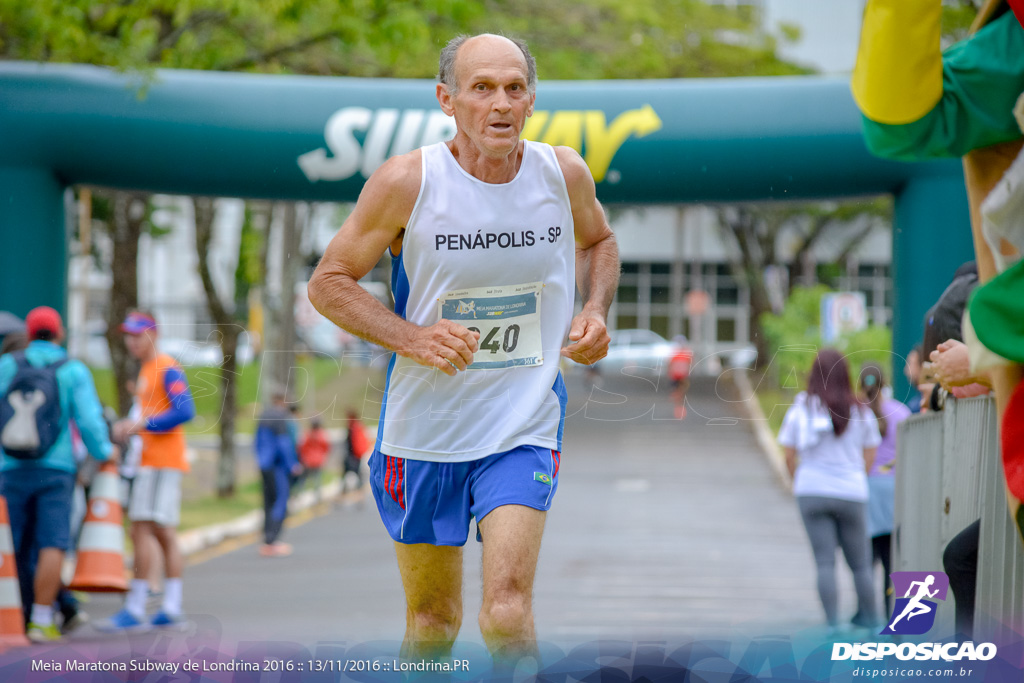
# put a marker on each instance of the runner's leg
(511, 539)
(432, 578)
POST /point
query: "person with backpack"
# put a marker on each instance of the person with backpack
(41, 391)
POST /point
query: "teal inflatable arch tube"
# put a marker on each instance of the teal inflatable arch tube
(241, 135)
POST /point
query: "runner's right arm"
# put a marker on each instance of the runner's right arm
(377, 222)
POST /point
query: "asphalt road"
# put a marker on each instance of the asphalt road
(661, 530)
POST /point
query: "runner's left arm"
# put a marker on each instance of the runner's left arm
(597, 262)
(182, 408)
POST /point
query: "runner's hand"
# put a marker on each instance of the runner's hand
(591, 336)
(445, 345)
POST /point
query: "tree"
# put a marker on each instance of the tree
(228, 331)
(755, 231)
(280, 337)
(572, 40)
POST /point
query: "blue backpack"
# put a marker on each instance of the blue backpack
(30, 414)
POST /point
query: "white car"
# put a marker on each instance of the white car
(207, 354)
(636, 353)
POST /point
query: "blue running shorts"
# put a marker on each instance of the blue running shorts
(432, 502)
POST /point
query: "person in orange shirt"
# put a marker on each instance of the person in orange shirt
(154, 509)
(679, 374)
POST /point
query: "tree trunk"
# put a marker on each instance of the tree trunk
(129, 216)
(226, 475)
(229, 331)
(760, 303)
(756, 251)
(281, 338)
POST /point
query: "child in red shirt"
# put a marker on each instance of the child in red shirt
(313, 454)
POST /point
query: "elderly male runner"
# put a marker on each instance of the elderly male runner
(488, 234)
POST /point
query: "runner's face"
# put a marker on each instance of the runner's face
(492, 102)
(132, 343)
(140, 345)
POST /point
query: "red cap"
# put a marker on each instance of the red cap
(43, 319)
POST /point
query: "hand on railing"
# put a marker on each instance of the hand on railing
(951, 367)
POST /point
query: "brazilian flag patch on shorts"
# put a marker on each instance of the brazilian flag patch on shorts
(542, 478)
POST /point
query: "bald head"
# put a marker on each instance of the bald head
(448, 71)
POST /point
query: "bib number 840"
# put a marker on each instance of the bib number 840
(490, 341)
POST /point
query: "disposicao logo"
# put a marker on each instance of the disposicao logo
(914, 613)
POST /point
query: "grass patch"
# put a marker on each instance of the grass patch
(323, 386)
(214, 510)
(774, 400)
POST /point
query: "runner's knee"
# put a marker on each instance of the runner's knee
(508, 613)
(435, 622)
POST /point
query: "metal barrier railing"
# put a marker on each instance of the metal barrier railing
(949, 474)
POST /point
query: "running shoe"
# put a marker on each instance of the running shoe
(164, 619)
(277, 549)
(42, 634)
(122, 621)
(74, 621)
(870, 623)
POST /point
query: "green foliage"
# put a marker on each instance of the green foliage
(249, 271)
(794, 338)
(870, 345)
(790, 33)
(957, 16)
(572, 40)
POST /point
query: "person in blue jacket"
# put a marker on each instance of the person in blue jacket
(275, 455)
(38, 478)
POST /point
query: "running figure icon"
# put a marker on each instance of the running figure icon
(916, 607)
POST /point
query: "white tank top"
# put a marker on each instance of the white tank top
(499, 258)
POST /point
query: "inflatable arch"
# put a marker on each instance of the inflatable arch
(314, 138)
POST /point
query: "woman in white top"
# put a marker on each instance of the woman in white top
(830, 441)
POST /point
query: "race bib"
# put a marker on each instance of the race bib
(507, 318)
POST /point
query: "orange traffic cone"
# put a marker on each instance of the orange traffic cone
(12, 618)
(100, 565)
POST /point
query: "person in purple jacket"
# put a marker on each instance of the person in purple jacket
(881, 478)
